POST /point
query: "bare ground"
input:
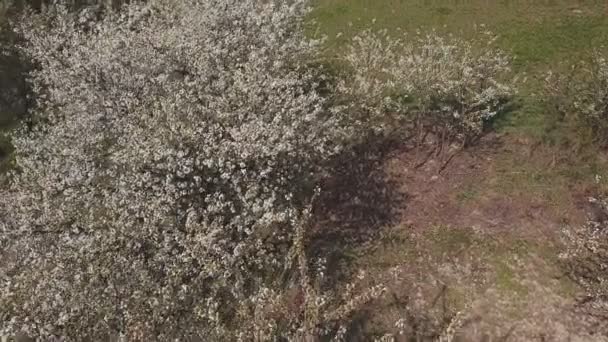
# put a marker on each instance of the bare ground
(471, 246)
(467, 193)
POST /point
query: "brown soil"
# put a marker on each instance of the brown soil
(464, 194)
(489, 189)
(392, 186)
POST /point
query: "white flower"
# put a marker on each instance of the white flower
(164, 196)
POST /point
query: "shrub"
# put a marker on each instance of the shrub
(580, 97)
(175, 148)
(585, 260)
(445, 86)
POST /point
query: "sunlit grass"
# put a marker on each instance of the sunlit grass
(541, 35)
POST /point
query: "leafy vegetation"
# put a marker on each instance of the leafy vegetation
(444, 87)
(580, 97)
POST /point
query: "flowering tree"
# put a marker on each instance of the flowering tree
(175, 146)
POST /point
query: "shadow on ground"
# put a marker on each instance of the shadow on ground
(359, 197)
(359, 200)
(14, 90)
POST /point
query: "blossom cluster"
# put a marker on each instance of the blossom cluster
(172, 148)
(585, 260)
(447, 86)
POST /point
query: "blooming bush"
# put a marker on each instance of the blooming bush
(446, 86)
(580, 97)
(585, 260)
(174, 148)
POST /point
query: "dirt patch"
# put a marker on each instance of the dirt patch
(359, 197)
(466, 245)
(484, 286)
(470, 191)
(501, 185)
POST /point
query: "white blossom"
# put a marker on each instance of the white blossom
(174, 144)
(447, 86)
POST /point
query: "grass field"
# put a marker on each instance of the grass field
(540, 34)
(526, 188)
(535, 31)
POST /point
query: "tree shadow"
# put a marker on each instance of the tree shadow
(505, 117)
(358, 199)
(15, 99)
(416, 324)
(13, 85)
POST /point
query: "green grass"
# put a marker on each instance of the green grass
(541, 34)
(519, 20)
(471, 265)
(468, 193)
(553, 40)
